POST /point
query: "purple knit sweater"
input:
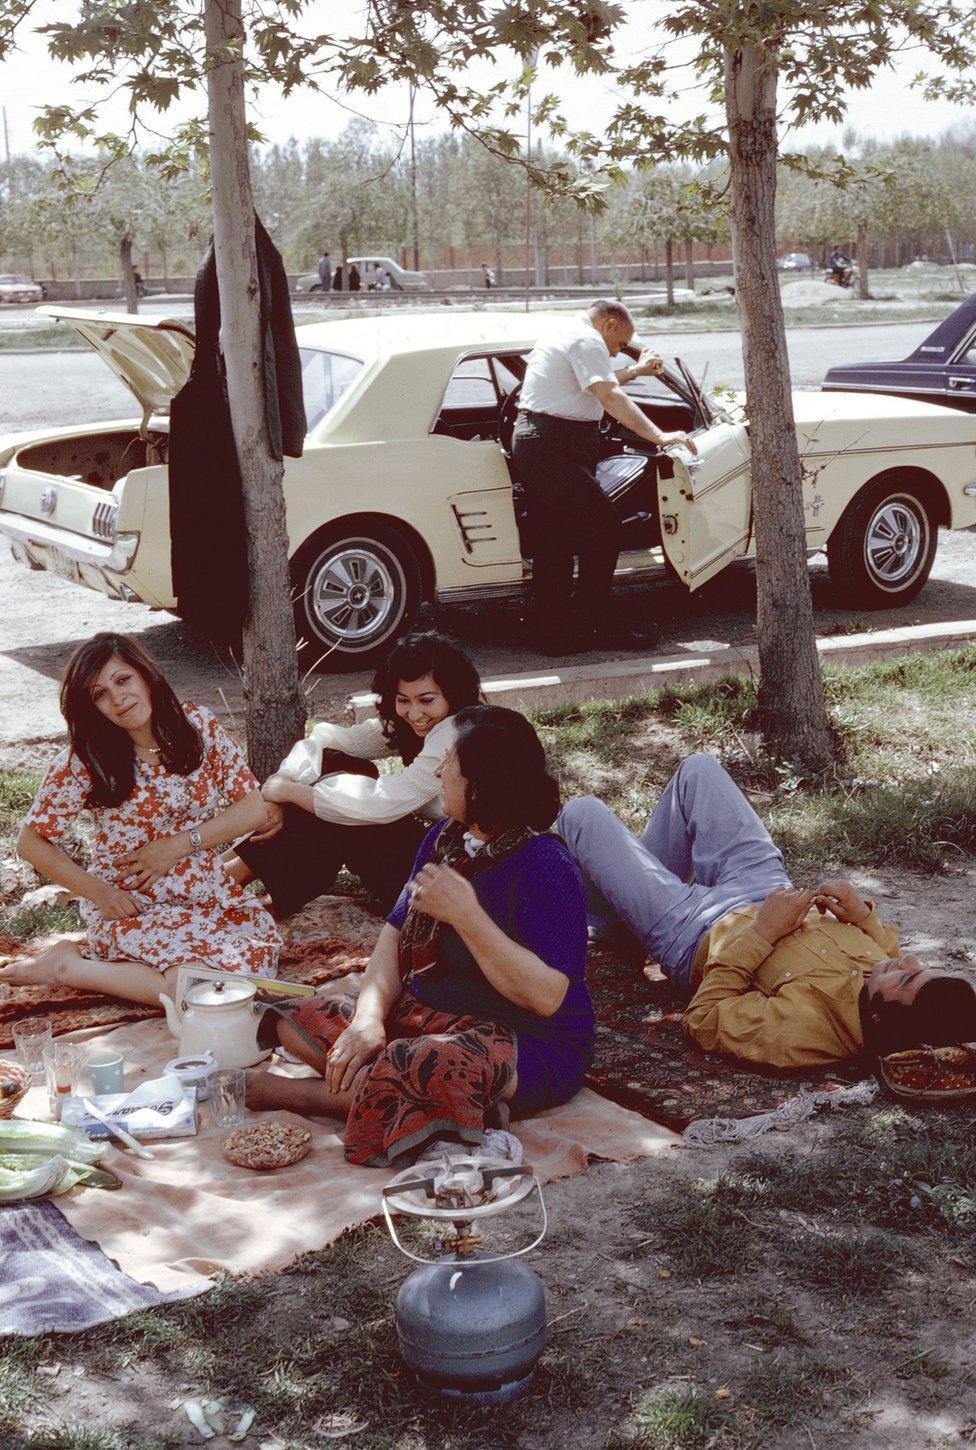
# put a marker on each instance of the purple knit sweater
(536, 897)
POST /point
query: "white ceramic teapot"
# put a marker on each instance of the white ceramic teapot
(219, 1016)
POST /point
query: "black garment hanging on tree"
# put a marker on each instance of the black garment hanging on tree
(206, 505)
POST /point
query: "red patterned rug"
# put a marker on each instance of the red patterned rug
(644, 1060)
(314, 962)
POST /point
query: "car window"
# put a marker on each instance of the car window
(325, 377)
(505, 373)
(471, 385)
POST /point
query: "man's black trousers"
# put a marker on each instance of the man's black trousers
(566, 515)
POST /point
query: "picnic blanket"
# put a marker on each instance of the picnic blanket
(187, 1213)
(644, 1060)
(53, 1280)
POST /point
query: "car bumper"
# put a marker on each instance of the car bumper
(97, 564)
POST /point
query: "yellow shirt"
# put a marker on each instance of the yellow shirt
(794, 1004)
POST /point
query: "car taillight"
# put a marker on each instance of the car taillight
(104, 520)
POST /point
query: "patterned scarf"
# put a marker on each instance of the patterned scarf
(420, 936)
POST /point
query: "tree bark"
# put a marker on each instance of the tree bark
(129, 289)
(862, 265)
(791, 710)
(669, 270)
(690, 265)
(275, 704)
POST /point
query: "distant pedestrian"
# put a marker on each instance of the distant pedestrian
(487, 275)
(325, 272)
(381, 278)
(338, 281)
(355, 281)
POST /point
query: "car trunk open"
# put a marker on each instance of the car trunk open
(97, 459)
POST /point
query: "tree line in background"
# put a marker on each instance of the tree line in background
(354, 193)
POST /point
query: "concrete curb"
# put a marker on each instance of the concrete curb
(618, 679)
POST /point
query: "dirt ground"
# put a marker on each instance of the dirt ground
(784, 1317)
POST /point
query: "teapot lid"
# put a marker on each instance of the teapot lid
(214, 995)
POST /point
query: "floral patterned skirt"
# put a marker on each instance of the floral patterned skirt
(438, 1076)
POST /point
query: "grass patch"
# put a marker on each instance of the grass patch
(784, 1395)
(847, 1264)
(41, 338)
(34, 921)
(900, 798)
(674, 1420)
(17, 790)
(72, 1436)
(20, 1388)
(705, 1232)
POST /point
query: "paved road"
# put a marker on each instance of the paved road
(38, 389)
(42, 618)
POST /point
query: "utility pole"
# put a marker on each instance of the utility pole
(413, 187)
(529, 268)
(6, 136)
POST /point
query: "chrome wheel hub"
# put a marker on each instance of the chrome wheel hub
(895, 542)
(353, 592)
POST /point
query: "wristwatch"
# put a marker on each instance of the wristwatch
(196, 840)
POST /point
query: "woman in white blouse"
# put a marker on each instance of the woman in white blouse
(329, 807)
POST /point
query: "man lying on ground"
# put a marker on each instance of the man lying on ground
(783, 977)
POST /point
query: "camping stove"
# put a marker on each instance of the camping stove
(471, 1324)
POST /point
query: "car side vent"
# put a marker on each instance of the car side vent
(104, 520)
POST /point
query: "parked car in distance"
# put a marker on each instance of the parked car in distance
(795, 262)
(942, 369)
(14, 288)
(404, 491)
(401, 280)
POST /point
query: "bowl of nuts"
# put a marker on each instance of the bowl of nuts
(14, 1082)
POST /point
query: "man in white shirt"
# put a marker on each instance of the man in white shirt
(569, 384)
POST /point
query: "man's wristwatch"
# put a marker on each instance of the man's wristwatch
(196, 840)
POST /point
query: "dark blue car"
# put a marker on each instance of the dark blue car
(941, 370)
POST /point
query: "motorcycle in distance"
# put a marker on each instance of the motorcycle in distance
(847, 278)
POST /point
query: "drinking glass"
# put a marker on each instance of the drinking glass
(31, 1036)
(227, 1097)
(63, 1066)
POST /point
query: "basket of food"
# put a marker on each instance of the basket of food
(14, 1082)
(931, 1074)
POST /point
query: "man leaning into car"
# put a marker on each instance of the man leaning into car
(569, 384)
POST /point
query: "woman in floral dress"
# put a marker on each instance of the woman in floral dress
(166, 788)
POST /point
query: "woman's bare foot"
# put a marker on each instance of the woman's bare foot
(47, 969)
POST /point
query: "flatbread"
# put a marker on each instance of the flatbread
(267, 1145)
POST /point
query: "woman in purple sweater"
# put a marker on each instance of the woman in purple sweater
(474, 1004)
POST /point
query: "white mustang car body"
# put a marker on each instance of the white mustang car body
(404, 490)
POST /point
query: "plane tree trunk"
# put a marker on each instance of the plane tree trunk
(791, 714)
(862, 265)
(128, 273)
(275, 704)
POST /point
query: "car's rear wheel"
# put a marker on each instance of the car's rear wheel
(355, 591)
(882, 550)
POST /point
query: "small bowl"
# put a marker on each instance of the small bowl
(14, 1082)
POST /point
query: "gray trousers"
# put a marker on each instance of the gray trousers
(704, 853)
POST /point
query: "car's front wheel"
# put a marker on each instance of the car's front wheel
(882, 550)
(355, 590)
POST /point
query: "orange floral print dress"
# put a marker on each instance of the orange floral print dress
(196, 912)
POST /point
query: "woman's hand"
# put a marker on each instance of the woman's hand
(277, 788)
(140, 868)
(842, 901)
(362, 1040)
(782, 912)
(112, 901)
(444, 894)
(273, 822)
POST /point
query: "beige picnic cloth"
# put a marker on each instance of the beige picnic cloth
(188, 1213)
